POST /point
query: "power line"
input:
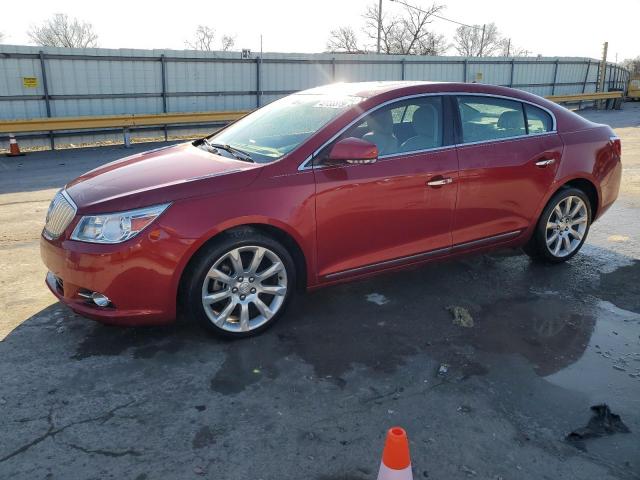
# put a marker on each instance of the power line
(437, 16)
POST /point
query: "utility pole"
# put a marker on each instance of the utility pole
(508, 48)
(603, 73)
(379, 24)
(482, 41)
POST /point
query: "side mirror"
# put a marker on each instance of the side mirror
(353, 150)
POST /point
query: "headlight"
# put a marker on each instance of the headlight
(116, 227)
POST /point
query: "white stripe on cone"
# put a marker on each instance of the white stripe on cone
(387, 473)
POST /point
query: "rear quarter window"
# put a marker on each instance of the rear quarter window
(538, 121)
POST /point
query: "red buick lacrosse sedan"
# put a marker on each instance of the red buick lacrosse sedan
(324, 186)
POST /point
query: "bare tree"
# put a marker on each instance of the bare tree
(477, 41)
(343, 39)
(204, 40)
(632, 64)
(507, 49)
(407, 34)
(64, 31)
(1, 36)
(227, 42)
(387, 27)
(433, 45)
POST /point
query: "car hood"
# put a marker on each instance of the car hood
(158, 176)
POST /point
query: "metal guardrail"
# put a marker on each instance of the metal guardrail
(584, 97)
(161, 119)
(127, 122)
(116, 121)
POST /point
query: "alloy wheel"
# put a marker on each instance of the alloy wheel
(566, 226)
(244, 288)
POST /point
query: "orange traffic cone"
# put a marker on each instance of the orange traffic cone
(14, 149)
(396, 463)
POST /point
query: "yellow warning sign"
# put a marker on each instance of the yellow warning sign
(29, 82)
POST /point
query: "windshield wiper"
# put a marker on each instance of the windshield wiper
(239, 154)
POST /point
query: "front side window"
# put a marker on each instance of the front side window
(488, 118)
(538, 121)
(404, 126)
(276, 129)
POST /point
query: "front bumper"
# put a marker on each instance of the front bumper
(138, 276)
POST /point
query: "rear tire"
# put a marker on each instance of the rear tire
(240, 284)
(562, 227)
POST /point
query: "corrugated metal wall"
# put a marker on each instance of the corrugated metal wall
(78, 82)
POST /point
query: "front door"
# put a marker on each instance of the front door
(397, 210)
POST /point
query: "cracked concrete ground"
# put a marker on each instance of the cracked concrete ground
(312, 397)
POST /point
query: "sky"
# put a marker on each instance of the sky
(546, 27)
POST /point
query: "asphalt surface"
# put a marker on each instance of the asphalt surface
(490, 396)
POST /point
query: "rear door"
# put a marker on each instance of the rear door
(508, 152)
(372, 216)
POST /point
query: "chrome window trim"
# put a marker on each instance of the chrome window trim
(516, 137)
(306, 164)
(414, 152)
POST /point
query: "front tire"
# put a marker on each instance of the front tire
(562, 228)
(239, 285)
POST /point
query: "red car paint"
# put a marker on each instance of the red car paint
(346, 221)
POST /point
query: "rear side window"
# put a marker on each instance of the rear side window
(538, 120)
(488, 118)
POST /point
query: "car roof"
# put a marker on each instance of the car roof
(398, 88)
(376, 92)
(364, 89)
(385, 90)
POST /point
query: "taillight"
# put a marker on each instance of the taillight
(616, 145)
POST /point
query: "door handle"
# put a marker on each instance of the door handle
(545, 162)
(440, 181)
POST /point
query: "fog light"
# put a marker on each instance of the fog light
(100, 299)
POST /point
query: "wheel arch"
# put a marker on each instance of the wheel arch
(590, 190)
(585, 184)
(290, 243)
(276, 232)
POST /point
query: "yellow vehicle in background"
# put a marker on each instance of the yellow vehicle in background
(634, 88)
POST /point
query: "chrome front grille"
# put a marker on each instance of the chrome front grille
(61, 212)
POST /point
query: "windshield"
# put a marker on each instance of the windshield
(274, 130)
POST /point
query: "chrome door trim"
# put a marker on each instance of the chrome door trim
(424, 255)
(485, 241)
(306, 164)
(438, 183)
(389, 263)
(544, 163)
